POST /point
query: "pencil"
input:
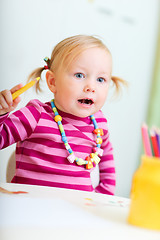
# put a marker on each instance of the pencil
(25, 88)
(146, 140)
(154, 144)
(157, 131)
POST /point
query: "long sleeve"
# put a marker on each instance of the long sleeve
(19, 125)
(41, 157)
(107, 169)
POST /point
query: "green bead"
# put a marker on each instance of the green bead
(61, 128)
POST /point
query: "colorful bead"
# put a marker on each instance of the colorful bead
(95, 158)
(64, 139)
(71, 158)
(94, 121)
(88, 158)
(54, 109)
(91, 160)
(58, 118)
(92, 155)
(99, 151)
(46, 67)
(61, 128)
(70, 151)
(67, 146)
(98, 131)
(46, 59)
(99, 140)
(80, 161)
(89, 165)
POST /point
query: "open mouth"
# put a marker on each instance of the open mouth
(86, 101)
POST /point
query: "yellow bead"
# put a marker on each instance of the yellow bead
(80, 161)
(92, 155)
(96, 159)
(58, 118)
(99, 140)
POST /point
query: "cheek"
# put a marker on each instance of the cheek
(103, 91)
(102, 96)
(72, 86)
(68, 90)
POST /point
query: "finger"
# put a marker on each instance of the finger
(16, 101)
(17, 87)
(6, 99)
(10, 108)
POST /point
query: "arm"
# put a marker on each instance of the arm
(107, 169)
(19, 125)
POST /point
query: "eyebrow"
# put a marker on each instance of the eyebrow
(82, 68)
(105, 73)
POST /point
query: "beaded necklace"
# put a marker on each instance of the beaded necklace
(93, 158)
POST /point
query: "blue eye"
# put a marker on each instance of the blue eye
(79, 75)
(100, 79)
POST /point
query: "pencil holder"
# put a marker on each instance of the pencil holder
(145, 195)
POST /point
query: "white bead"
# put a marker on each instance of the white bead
(71, 158)
(99, 151)
(67, 146)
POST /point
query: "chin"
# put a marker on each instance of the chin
(84, 112)
(84, 115)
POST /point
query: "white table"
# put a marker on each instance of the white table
(54, 213)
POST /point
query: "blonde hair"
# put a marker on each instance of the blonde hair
(66, 51)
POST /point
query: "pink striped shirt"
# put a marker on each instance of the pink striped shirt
(41, 158)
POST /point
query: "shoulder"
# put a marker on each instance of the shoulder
(34, 108)
(35, 103)
(101, 121)
(100, 116)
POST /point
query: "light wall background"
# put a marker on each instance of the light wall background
(29, 30)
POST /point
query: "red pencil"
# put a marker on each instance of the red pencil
(154, 144)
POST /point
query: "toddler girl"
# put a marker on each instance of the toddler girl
(59, 143)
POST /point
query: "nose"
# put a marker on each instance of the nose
(89, 87)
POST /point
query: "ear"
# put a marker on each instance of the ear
(50, 78)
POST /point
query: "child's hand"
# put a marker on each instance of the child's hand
(6, 102)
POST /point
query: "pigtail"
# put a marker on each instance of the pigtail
(118, 82)
(34, 74)
(37, 73)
